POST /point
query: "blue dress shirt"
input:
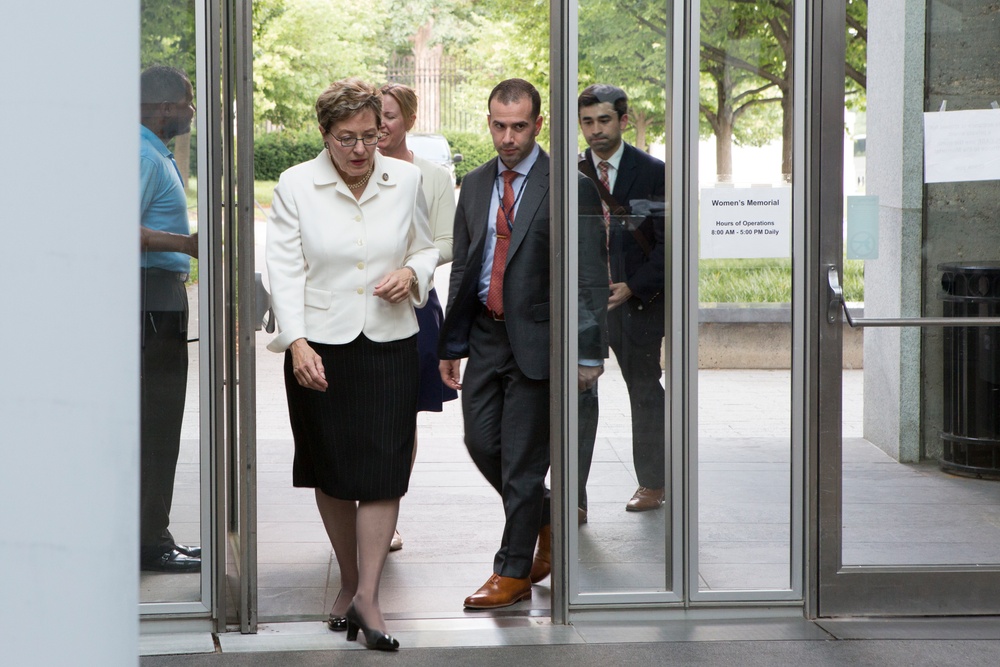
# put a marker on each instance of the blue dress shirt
(522, 168)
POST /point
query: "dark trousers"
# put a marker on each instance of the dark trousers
(640, 366)
(507, 434)
(589, 411)
(163, 386)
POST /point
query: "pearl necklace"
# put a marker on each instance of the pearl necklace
(360, 183)
(364, 180)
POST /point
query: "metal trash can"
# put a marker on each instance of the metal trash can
(970, 430)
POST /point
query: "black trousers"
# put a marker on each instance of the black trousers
(506, 419)
(640, 366)
(163, 387)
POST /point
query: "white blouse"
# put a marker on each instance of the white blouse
(439, 190)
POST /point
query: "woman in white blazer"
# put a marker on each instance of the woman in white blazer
(399, 113)
(349, 256)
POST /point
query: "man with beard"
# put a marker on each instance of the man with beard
(167, 243)
(498, 316)
(631, 184)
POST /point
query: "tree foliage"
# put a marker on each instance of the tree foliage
(746, 52)
(637, 64)
(167, 35)
(301, 46)
(857, 54)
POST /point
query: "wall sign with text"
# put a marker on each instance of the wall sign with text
(746, 222)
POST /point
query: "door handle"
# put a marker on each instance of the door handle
(837, 303)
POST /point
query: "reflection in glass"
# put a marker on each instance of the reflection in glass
(170, 559)
(623, 494)
(920, 399)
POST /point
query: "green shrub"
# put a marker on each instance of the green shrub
(476, 148)
(274, 152)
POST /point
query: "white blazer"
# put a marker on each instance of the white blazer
(326, 252)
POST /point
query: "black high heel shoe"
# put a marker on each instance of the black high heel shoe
(337, 623)
(374, 639)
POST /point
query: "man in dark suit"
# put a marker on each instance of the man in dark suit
(498, 317)
(631, 183)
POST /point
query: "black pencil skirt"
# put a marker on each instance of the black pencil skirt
(355, 440)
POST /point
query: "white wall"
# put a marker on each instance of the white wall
(69, 333)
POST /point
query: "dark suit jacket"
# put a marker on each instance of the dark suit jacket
(526, 280)
(592, 274)
(637, 240)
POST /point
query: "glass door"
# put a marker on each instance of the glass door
(199, 308)
(908, 502)
(180, 414)
(683, 464)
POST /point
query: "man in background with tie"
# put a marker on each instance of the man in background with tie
(498, 317)
(631, 184)
(167, 242)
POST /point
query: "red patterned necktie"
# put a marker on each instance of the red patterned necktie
(505, 212)
(604, 166)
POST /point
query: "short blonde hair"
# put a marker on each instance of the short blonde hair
(346, 98)
(406, 97)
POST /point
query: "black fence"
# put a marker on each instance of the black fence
(438, 80)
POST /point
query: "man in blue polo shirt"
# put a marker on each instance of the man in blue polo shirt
(167, 245)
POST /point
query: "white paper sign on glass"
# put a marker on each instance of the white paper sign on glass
(751, 222)
(961, 146)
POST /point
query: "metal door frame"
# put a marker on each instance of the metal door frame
(681, 332)
(211, 339)
(227, 305)
(241, 442)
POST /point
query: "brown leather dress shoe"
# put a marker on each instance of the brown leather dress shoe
(499, 592)
(644, 500)
(541, 567)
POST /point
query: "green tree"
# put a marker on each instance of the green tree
(636, 64)
(772, 22)
(741, 77)
(857, 54)
(301, 46)
(513, 41)
(746, 56)
(167, 36)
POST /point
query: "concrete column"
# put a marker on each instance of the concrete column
(69, 405)
(894, 149)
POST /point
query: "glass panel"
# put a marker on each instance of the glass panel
(744, 447)
(921, 431)
(623, 495)
(170, 452)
